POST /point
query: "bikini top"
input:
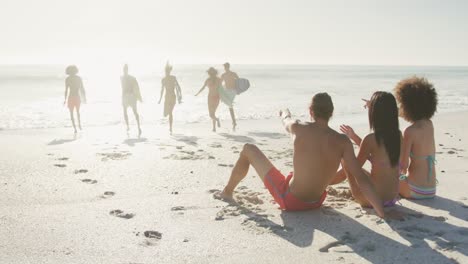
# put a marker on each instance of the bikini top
(430, 162)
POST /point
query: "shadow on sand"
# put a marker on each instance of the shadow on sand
(132, 141)
(238, 138)
(189, 140)
(61, 141)
(454, 208)
(268, 135)
(298, 228)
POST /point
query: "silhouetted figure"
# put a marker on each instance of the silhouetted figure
(214, 83)
(229, 78)
(172, 87)
(130, 95)
(74, 84)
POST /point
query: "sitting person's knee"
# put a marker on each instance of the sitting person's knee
(249, 148)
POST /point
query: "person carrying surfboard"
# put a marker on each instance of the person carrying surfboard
(229, 78)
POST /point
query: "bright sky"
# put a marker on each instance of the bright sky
(398, 32)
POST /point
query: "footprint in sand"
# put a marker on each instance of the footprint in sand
(345, 239)
(89, 181)
(107, 194)
(226, 165)
(151, 237)
(64, 158)
(440, 218)
(216, 145)
(121, 214)
(153, 234)
(81, 171)
(60, 165)
(178, 208)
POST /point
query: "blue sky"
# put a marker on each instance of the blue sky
(369, 32)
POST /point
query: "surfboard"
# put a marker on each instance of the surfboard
(242, 85)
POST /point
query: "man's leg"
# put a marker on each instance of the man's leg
(233, 117)
(126, 117)
(137, 118)
(250, 155)
(170, 123)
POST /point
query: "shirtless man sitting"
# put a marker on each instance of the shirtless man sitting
(318, 151)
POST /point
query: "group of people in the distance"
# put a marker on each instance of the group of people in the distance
(75, 94)
(401, 164)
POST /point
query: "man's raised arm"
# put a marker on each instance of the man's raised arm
(289, 124)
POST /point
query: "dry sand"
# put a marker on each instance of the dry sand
(103, 197)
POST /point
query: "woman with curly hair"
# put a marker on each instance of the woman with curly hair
(417, 99)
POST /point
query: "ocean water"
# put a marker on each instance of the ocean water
(32, 95)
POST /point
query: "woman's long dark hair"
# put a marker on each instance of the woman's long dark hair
(383, 119)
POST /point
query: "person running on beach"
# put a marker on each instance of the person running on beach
(318, 151)
(213, 82)
(74, 84)
(417, 99)
(381, 147)
(229, 78)
(130, 95)
(172, 87)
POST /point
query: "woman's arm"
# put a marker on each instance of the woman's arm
(405, 151)
(82, 90)
(203, 88)
(349, 131)
(364, 150)
(179, 91)
(66, 91)
(162, 91)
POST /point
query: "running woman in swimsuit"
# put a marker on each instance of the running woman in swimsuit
(213, 82)
(381, 148)
(318, 151)
(75, 91)
(172, 87)
(130, 95)
(418, 102)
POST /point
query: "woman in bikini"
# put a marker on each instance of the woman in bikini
(75, 91)
(417, 99)
(213, 82)
(381, 147)
(172, 87)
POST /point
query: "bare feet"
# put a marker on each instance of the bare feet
(218, 122)
(139, 132)
(234, 125)
(224, 197)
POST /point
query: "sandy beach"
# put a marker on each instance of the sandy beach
(105, 197)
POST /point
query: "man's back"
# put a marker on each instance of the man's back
(318, 151)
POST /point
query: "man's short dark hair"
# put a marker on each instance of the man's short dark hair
(322, 106)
